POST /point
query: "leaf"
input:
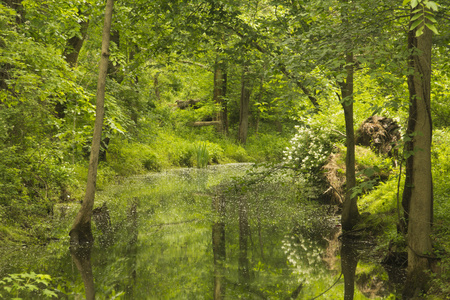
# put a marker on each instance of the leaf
(432, 5)
(406, 2)
(431, 18)
(419, 31)
(432, 28)
(415, 24)
(414, 3)
(31, 287)
(415, 17)
(49, 293)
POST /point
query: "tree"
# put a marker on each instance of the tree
(418, 191)
(350, 214)
(244, 106)
(81, 233)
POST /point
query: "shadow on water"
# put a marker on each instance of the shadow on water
(209, 234)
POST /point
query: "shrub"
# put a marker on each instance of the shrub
(309, 150)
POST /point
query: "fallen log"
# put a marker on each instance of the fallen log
(202, 123)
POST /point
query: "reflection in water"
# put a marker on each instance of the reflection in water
(132, 249)
(349, 261)
(244, 271)
(81, 255)
(218, 245)
(187, 235)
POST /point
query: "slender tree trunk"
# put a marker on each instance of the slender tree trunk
(81, 233)
(219, 94)
(418, 192)
(156, 87)
(350, 214)
(244, 106)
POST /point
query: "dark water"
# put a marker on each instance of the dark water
(200, 234)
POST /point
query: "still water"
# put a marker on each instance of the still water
(204, 234)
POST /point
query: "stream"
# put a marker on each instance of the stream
(206, 234)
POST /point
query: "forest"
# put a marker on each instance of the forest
(340, 107)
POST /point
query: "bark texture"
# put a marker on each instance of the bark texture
(81, 233)
(418, 192)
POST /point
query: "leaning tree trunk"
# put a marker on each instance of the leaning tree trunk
(418, 192)
(81, 232)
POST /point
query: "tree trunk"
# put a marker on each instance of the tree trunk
(156, 87)
(350, 214)
(219, 93)
(418, 192)
(244, 107)
(81, 233)
(71, 53)
(74, 45)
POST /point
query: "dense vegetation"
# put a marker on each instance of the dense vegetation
(212, 82)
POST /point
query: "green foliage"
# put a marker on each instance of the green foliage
(266, 147)
(130, 158)
(235, 153)
(422, 15)
(26, 285)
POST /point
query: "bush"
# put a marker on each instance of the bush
(309, 150)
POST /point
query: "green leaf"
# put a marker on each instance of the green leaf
(432, 28)
(431, 18)
(49, 293)
(31, 287)
(432, 5)
(415, 24)
(406, 2)
(414, 3)
(415, 17)
(419, 31)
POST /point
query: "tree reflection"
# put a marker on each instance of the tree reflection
(218, 240)
(349, 261)
(81, 256)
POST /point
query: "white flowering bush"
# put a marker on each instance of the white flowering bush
(309, 150)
